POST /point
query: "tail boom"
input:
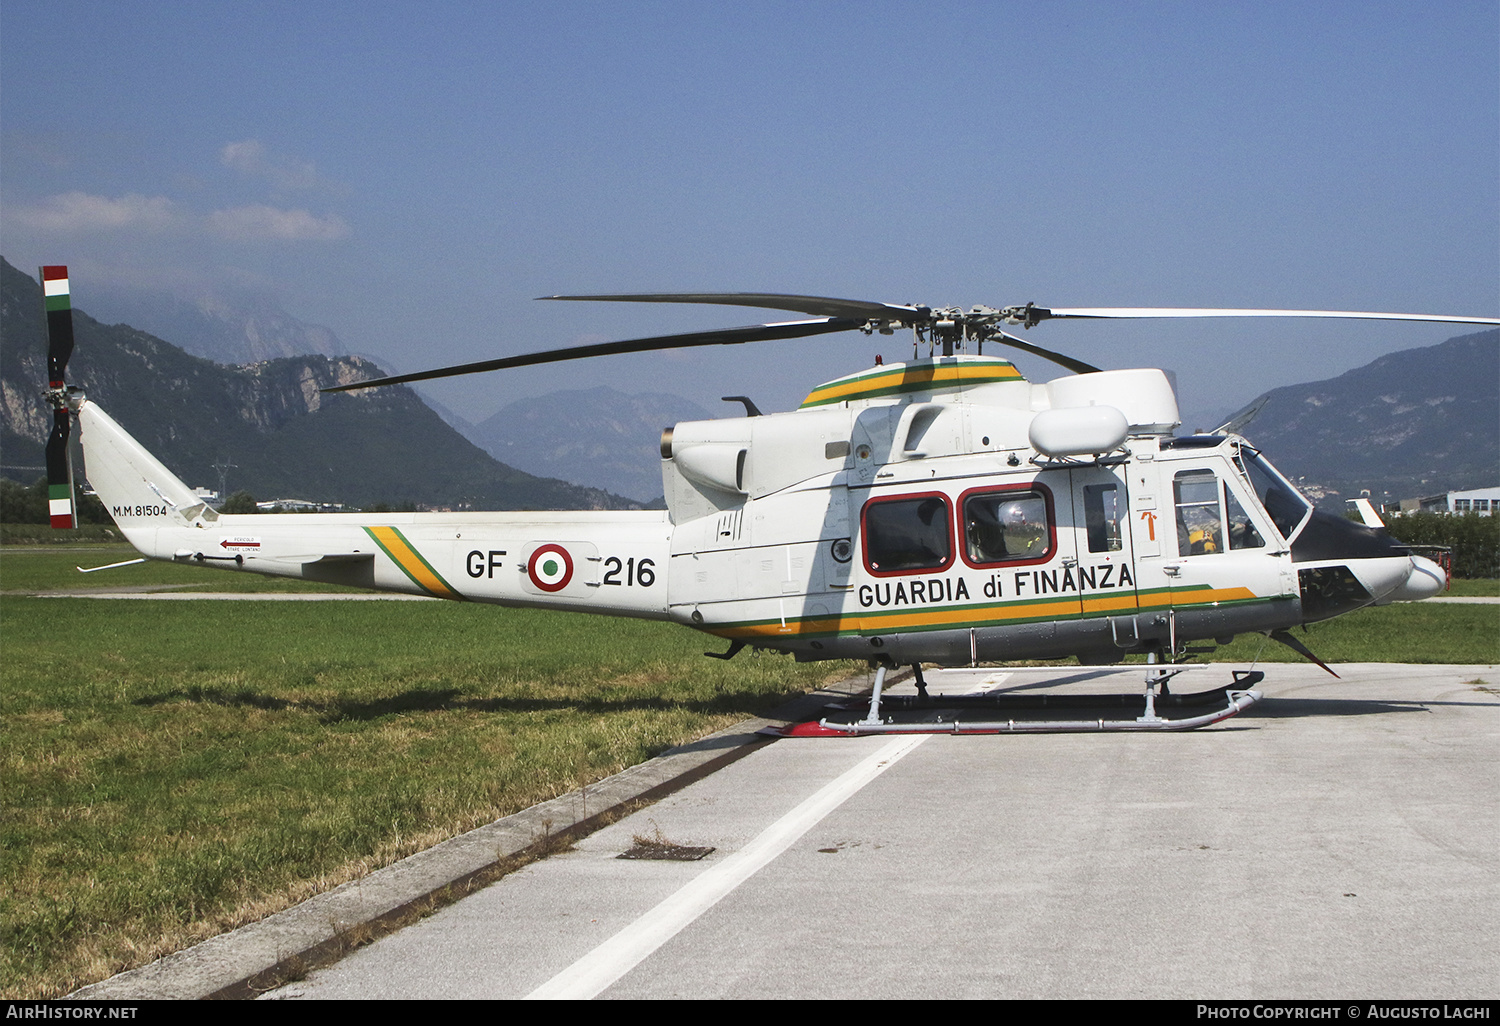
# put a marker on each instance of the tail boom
(607, 562)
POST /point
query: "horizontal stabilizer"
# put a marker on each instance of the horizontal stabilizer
(110, 566)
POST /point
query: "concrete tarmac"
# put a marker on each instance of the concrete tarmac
(1339, 840)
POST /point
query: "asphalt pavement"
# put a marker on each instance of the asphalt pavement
(1341, 839)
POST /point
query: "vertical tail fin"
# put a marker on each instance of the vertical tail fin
(135, 487)
(1366, 512)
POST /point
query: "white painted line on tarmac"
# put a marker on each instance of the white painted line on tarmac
(600, 968)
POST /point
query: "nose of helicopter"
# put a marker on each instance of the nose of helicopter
(1399, 579)
(1424, 580)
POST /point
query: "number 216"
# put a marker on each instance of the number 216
(642, 573)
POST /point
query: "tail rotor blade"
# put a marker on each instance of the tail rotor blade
(61, 508)
(59, 313)
(58, 310)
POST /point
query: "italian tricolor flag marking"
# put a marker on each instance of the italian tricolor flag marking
(55, 288)
(60, 505)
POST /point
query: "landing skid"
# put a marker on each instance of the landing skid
(1016, 713)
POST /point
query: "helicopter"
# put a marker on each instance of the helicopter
(942, 510)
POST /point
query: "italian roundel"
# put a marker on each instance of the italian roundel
(550, 567)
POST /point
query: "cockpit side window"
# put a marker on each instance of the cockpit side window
(1286, 508)
(1200, 514)
(1242, 532)
(1209, 516)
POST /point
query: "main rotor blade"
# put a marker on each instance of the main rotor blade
(911, 314)
(819, 306)
(1076, 366)
(720, 337)
(1057, 313)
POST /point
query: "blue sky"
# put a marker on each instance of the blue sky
(412, 175)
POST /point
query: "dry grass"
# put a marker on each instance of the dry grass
(169, 773)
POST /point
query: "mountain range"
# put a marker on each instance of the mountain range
(1412, 423)
(246, 328)
(598, 435)
(283, 437)
(1409, 424)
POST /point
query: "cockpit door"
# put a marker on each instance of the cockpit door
(1205, 549)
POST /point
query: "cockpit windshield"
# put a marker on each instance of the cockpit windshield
(1284, 503)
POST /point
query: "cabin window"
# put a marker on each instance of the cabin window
(1101, 516)
(908, 534)
(1010, 526)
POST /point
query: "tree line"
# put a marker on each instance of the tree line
(1474, 539)
(27, 504)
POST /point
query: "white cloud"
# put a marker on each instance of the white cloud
(82, 212)
(263, 222)
(250, 157)
(244, 156)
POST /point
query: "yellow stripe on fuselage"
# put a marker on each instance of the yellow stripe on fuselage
(912, 378)
(1194, 597)
(895, 621)
(405, 556)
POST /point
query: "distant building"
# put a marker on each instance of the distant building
(1475, 500)
(298, 506)
(1484, 501)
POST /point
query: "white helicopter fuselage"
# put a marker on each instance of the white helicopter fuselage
(945, 510)
(497, 557)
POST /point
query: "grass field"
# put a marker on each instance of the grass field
(25, 568)
(171, 770)
(1489, 587)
